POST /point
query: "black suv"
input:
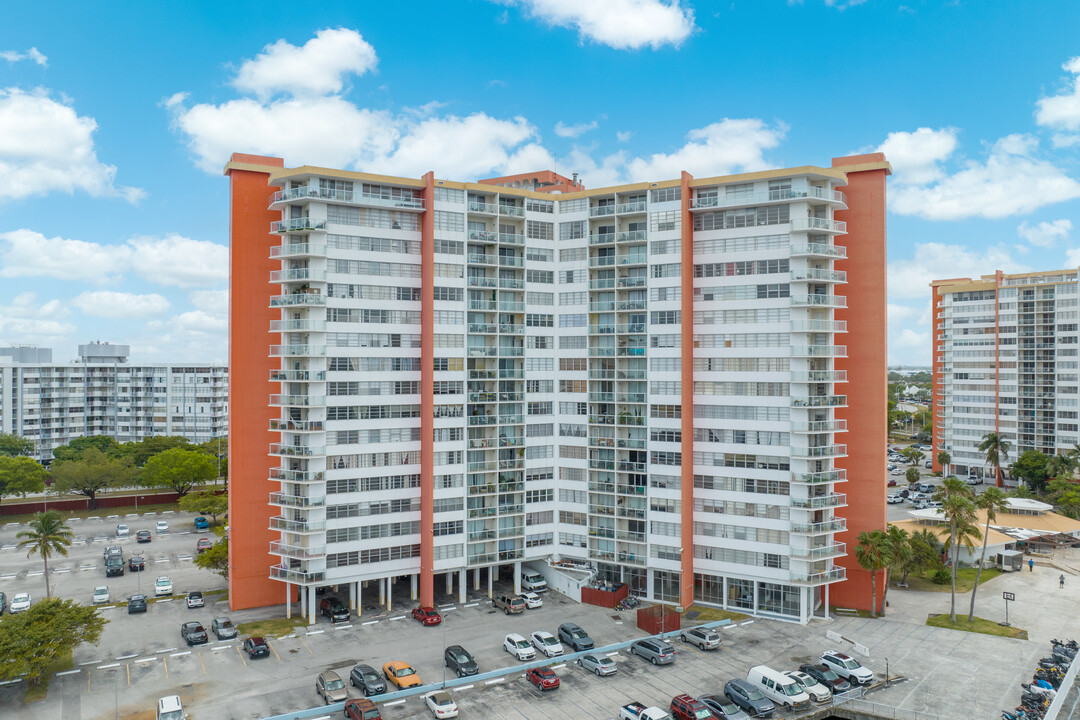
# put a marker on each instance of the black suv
(334, 609)
(193, 633)
(824, 675)
(114, 565)
(460, 661)
(575, 637)
(136, 604)
(367, 679)
(749, 698)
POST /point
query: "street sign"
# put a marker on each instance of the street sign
(1008, 596)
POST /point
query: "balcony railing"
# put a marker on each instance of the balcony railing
(821, 578)
(630, 207)
(297, 350)
(298, 250)
(823, 451)
(601, 210)
(511, 210)
(819, 401)
(821, 426)
(817, 503)
(349, 196)
(301, 577)
(297, 526)
(817, 478)
(829, 326)
(297, 299)
(484, 235)
(301, 325)
(817, 250)
(602, 238)
(297, 375)
(297, 400)
(818, 553)
(818, 376)
(286, 450)
(298, 275)
(816, 300)
(819, 351)
(279, 425)
(482, 259)
(818, 275)
(818, 225)
(297, 225)
(631, 236)
(483, 207)
(714, 201)
(297, 501)
(301, 476)
(298, 552)
(837, 525)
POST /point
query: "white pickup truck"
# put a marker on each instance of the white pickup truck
(637, 711)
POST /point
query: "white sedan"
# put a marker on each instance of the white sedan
(441, 704)
(122, 530)
(163, 586)
(20, 602)
(546, 643)
(101, 594)
(532, 600)
(816, 690)
(894, 498)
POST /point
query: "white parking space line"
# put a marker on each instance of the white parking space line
(161, 560)
(448, 609)
(166, 512)
(68, 672)
(165, 600)
(472, 604)
(451, 606)
(613, 654)
(748, 622)
(128, 657)
(399, 617)
(181, 654)
(10, 682)
(327, 717)
(315, 632)
(110, 665)
(57, 571)
(556, 667)
(146, 659)
(492, 681)
(182, 532)
(369, 622)
(343, 627)
(465, 687)
(132, 515)
(8, 576)
(394, 702)
(220, 647)
(112, 517)
(166, 650)
(183, 557)
(9, 547)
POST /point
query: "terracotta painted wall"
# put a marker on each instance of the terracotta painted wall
(249, 385)
(866, 365)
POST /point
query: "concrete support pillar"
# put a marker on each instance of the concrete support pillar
(382, 591)
(826, 602)
(476, 579)
(412, 587)
(311, 605)
(491, 582)
(288, 600)
(303, 601)
(359, 598)
(461, 585)
(755, 597)
(449, 583)
(517, 577)
(352, 596)
(390, 594)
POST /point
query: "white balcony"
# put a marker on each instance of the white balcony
(812, 224)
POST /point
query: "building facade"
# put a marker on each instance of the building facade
(1005, 361)
(101, 393)
(445, 378)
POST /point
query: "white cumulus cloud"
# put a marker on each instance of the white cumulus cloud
(179, 261)
(910, 278)
(727, 146)
(45, 146)
(1045, 234)
(27, 320)
(316, 68)
(620, 24)
(26, 253)
(215, 302)
(1062, 112)
(33, 54)
(111, 304)
(572, 131)
(916, 157)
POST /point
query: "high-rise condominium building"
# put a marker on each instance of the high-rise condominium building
(680, 383)
(101, 393)
(1005, 361)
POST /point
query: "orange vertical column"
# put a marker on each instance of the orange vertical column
(866, 365)
(686, 326)
(427, 395)
(249, 381)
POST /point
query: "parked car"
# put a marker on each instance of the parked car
(509, 604)
(532, 580)
(973, 480)
(441, 704)
(201, 523)
(163, 586)
(114, 565)
(572, 635)
(543, 678)
(161, 527)
(897, 471)
(122, 530)
(256, 647)
(101, 594)
(704, 638)
(331, 687)
(824, 675)
(532, 600)
(401, 674)
(3, 603)
(723, 708)
(143, 536)
(365, 678)
(170, 708)
(848, 667)
(817, 691)
(427, 616)
(136, 604)
(203, 544)
(926, 487)
(195, 599)
(223, 628)
(781, 689)
(891, 482)
(193, 633)
(749, 698)
(460, 661)
(334, 609)
(685, 707)
(111, 551)
(361, 709)
(929, 464)
(519, 647)
(894, 498)
(655, 650)
(136, 563)
(546, 643)
(598, 663)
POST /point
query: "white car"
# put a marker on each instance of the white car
(894, 498)
(20, 602)
(532, 600)
(122, 530)
(161, 527)
(519, 647)
(101, 594)
(163, 586)
(897, 471)
(817, 692)
(170, 708)
(441, 704)
(847, 667)
(547, 643)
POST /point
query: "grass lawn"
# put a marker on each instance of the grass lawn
(711, 614)
(34, 693)
(979, 625)
(270, 628)
(965, 581)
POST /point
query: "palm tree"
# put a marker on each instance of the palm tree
(959, 510)
(48, 534)
(903, 556)
(997, 452)
(1060, 466)
(992, 501)
(944, 460)
(873, 553)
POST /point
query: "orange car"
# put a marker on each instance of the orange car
(401, 674)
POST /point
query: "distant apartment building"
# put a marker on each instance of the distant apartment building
(102, 393)
(1005, 361)
(673, 382)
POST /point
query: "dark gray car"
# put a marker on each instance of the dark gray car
(367, 679)
(572, 635)
(3, 603)
(655, 650)
(223, 627)
(723, 708)
(749, 698)
(460, 661)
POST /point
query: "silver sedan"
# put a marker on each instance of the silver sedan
(599, 664)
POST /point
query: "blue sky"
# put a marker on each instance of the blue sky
(115, 121)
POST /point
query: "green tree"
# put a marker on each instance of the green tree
(1060, 466)
(911, 475)
(1031, 468)
(924, 546)
(32, 641)
(1065, 496)
(944, 460)
(15, 445)
(996, 449)
(992, 501)
(873, 552)
(216, 559)
(74, 450)
(92, 472)
(141, 452)
(48, 534)
(219, 449)
(179, 469)
(959, 511)
(205, 503)
(20, 475)
(903, 557)
(912, 455)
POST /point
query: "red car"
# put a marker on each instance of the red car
(427, 615)
(203, 545)
(543, 678)
(684, 707)
(892, 483)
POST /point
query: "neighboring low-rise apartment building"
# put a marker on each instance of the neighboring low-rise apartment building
(680, 383)
(102, 393)
(1005, 361)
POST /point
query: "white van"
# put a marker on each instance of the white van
(170, 708)
(532, 580)
(778, 687)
